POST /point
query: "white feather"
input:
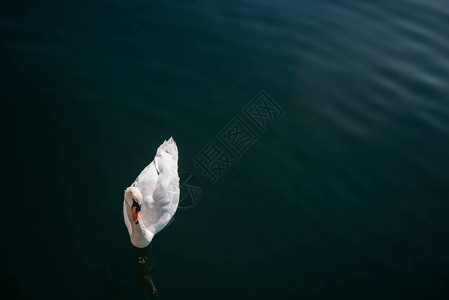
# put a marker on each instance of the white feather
(159, 185)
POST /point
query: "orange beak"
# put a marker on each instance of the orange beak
(135, 214)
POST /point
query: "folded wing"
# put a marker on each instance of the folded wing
(159, 185)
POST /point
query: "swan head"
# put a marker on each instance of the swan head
(133, 199)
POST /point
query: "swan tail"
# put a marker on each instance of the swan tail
(167, 156)
(169, 147)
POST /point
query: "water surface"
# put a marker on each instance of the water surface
(344, 197)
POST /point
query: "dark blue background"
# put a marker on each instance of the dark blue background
(344, 197)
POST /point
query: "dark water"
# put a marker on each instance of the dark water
(343, 197)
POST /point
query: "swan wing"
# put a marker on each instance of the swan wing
(146, 182)
(166, 199)
(165, 194)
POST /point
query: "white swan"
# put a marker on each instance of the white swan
(151, 201)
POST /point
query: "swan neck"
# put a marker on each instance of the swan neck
(139, 236)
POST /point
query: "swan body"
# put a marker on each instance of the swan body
(152, 200)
